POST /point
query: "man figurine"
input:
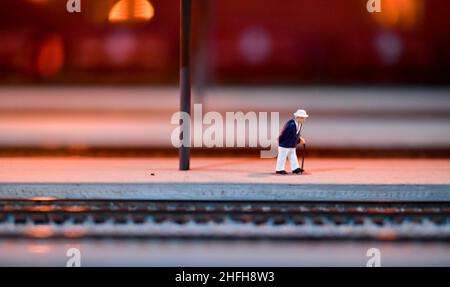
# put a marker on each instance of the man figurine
(288, 140)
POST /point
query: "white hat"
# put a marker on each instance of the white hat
(301, 114)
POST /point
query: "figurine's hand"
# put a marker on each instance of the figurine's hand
(302, 141)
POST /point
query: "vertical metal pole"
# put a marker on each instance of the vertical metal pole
(185, 77)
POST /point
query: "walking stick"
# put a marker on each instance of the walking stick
(303, 158)
(303, 152)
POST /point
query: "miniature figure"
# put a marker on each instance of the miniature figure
(288, 140)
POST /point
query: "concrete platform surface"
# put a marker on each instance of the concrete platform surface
(222, 170)
(225, 179)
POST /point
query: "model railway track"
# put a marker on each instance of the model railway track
(233, 220)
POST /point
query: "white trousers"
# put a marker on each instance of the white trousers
(283, 153)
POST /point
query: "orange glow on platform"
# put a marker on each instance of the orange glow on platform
(39, 231)
(40, 208)
(43, 198)
(131, 11)
(400, 13)
(39, 248)
(75, 208)
(75, 232)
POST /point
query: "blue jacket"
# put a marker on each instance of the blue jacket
(289, 138)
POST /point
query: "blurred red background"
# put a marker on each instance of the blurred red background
(235, 42)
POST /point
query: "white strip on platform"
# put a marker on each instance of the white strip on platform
(228, 192)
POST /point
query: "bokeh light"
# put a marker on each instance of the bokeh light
(131, 11)
(400, 13)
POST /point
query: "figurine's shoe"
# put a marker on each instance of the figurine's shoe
(298, 171)
(281, 172)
